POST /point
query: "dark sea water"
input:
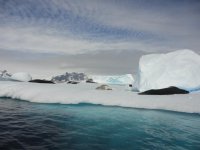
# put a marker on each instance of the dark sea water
(32, 126)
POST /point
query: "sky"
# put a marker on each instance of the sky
(49, 37)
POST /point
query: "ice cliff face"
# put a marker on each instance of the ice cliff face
(179, 68)
(69, 77)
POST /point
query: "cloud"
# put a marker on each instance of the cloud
(141, 16)
(77, 26)
(35, 40)
(93, 35)
(97, 62)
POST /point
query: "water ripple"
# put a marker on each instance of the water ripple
(25, 125)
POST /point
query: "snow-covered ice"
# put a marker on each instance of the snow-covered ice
(87, 93)
(179, 68)
(115, 79)
(21, 76)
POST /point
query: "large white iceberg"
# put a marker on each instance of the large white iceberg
(179, 68)
(21, 76)
(116, 79)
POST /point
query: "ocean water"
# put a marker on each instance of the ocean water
(33, 126)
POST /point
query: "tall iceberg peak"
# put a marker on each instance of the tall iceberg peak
(180, 68)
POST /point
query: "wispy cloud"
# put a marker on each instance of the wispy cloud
(33, 39)
(74, 26)
(93, 26)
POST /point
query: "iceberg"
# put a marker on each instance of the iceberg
(21, 76)
(180, 68)
(87, 93)
(116, 79)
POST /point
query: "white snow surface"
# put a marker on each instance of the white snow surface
(21, 76)
(114, 79)
(86, 93)
(179, 68)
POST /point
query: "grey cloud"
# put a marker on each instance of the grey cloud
(104, 62)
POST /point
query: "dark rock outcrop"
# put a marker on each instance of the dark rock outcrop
(165, 91)
(42, 81)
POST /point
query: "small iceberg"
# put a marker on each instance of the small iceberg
(21, 76)
(115, 79)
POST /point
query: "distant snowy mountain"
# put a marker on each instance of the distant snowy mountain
(74, 76)
(5, 74)
(115, 79)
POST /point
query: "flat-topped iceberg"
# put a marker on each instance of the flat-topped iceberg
(87, 93)
(179, 68)
(116, 79)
